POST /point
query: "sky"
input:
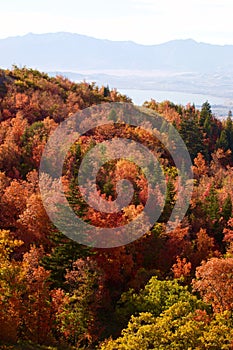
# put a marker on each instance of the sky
(142, 21)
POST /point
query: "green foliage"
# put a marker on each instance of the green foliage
(212, 205)
(36, 128)
(192, 136)
(229, 131)
(156, 297)
(227, 208)
(205, 115)
(64, 254)
(169, 202)
(223, 141)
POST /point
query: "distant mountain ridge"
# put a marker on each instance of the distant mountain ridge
(184, 66)
(74, 52)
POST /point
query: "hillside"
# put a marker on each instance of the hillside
(168, 289)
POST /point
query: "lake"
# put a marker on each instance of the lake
(220, 105)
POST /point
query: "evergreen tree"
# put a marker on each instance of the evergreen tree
(205, 114)
(223, 141)
(169, 202)
(227, 208)
(64, 254)
(192, 136)
(229, 131)
(65, 251)
(213, 215)
(212, 205)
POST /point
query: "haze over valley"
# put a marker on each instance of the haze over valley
(177, 66)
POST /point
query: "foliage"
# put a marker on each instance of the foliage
(55, 292)
(214, 282)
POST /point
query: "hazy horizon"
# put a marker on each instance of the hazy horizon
(141, 21)
(107, 39)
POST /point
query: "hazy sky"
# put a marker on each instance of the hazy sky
(143, 21)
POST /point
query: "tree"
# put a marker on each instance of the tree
(200, 167)
(227, 208)
(204, 247)
(36, 316)
(169, 202)
(176, 243)
(223, 141)
(182, 327)
(205, 114)
(34, 222)
(228, 231)
(189, 131)
(11, 284)
(181, 268)
(157, 297)
(77, 318)
(229, 131)
(64, 253)
(214, 282)
(212, 210)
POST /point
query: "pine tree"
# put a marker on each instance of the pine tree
(223, 141)
(64, 254)
(169, 202)
(205, 114)
(229, 131)
(65, 251)
(213, 215)
(212, 205)
(192, 136)
(227, 208)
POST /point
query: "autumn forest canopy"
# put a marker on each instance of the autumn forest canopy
(166, 290)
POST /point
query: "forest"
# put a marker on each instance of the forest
(165, 290)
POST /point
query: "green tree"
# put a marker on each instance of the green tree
(212, 205)
(156, 297)
(169, 202)
(211, 209)
(223, 141)
(227, 208)
(192, 136)
(206, 114)
(229, 131)
(64, 254)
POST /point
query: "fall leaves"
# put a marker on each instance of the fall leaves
(172, 288)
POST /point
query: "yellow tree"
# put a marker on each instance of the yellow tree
(11, 277)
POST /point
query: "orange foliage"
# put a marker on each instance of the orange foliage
(214, 282)
(181, 268)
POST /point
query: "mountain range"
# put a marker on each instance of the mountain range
(178, 65)
(67, 51)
